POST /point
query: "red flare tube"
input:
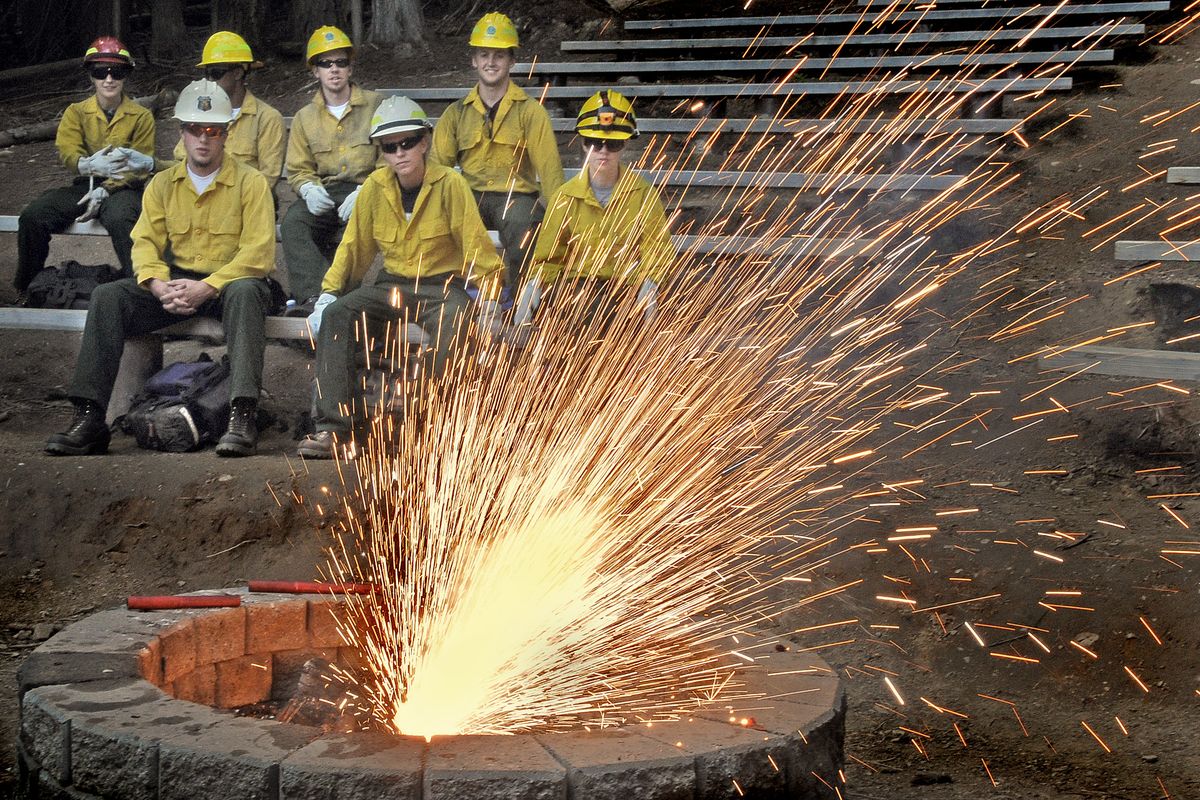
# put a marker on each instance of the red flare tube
(168, 601)
(306, 587)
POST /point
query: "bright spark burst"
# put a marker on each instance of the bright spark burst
(596, 527)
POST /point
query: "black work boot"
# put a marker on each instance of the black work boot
(242, 436)
(87, 435)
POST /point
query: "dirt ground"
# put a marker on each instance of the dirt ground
(962, 717)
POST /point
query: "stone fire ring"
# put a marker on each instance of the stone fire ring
(127, 704)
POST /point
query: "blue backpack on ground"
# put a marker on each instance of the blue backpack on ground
(182, 407)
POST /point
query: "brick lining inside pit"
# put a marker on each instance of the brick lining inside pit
(129, 705)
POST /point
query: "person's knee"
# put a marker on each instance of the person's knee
(249, 294)
(108, 297)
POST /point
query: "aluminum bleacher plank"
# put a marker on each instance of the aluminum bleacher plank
(1158, 251)
(1126, 362)
(810, 64)
(1024, 12)
(781, 90)
(1184, 175)
(801, 43)
(799, 180)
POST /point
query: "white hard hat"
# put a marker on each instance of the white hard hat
(397, 114)
(204, 101)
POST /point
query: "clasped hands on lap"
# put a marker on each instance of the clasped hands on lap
(181, 296)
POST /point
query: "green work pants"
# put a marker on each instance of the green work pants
(515, 217)
(55, 210)
(437, 304)
(310, 241)
(122, 309)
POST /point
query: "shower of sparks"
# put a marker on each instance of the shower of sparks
(602, 521)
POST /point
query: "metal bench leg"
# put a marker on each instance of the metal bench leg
(142, 358)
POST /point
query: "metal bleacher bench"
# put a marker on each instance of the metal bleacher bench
(935, 15)
(1126, 362)
(1184, 175)
(1158, 250)
(751, 44)
(558, 70)
(778, 91)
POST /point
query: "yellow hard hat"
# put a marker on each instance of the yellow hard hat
(226, 47)
(327, 38)
(204, 101)
(606, 115)
(494, 30)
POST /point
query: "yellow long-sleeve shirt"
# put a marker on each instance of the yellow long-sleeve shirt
(511, 152)
(84, 129)
(226, 233)
(323, 149)
(627, 240)
(256, 138)
(444, 236)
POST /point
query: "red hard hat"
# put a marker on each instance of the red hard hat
(108, 50)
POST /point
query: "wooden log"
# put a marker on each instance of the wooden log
(44, 131)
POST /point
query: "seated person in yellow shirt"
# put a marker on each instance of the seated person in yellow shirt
(605, 226)
(204, 244)
(257, 133)
(107, 142)
(423, 219)
(502, 140)
(329, 155)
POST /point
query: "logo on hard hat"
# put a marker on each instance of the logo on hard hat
(329, 36)
(491, 30)
(606, 117)
(204, 103)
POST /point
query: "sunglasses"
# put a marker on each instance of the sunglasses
(326, 63)
(198, 129)
(118, 71)
(611, 145)
(403, 144)
(216, 73)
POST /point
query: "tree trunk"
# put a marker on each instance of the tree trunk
(307, 15)
(394, 22)
(246, 17)
(166, 30)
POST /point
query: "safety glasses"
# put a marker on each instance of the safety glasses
(199, 129)
(611, 145)
(101, 71)
(326, 63)
(215, 73)
(404, 144)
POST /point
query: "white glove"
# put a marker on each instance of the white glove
(317, 198)
(488, 318)
(648, 295)
(104, 163)
(528, 302)
(134, 161)
(347, 206)
(92, 199)
(314, 319)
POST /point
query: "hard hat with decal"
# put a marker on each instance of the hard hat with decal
(226, 47)
(607, 114)
(325, 39)
(398, 114)
(204, 101)
(494, 30)
(108, 50)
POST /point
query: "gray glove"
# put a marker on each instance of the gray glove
(317, 198)
(347, 206)
(648, 296)
(314, 319)
(93, 200)
(104, 163)
(134, 161)
(528, 302)
(488, 318)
